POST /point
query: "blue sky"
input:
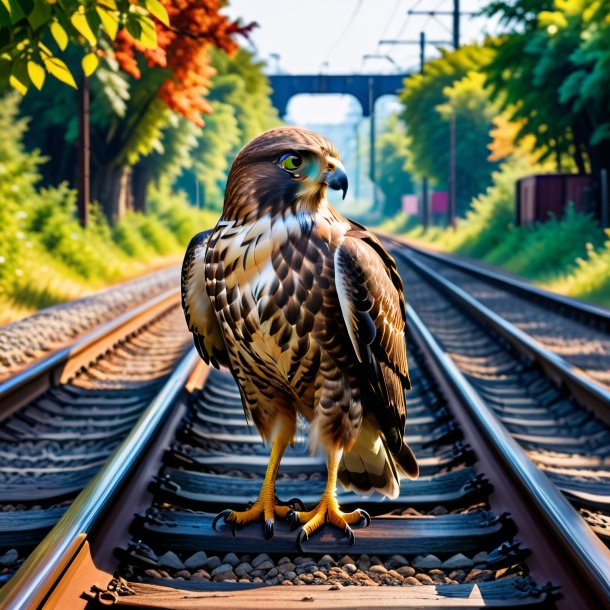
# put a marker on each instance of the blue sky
(332, 36)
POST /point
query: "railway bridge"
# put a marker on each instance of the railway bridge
(366, 88)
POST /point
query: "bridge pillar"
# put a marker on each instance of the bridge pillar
(372, 171)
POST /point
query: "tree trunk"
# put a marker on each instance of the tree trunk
(142, 175)
(112, 188)
(599, 157)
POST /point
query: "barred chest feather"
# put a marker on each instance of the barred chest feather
(269, 281)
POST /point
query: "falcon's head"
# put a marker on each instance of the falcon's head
(286, 167)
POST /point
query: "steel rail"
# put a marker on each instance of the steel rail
(587, 551)
(583, 311)
(64, 362)
(38, 575)
(590, 393)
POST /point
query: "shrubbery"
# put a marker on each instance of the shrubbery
(566, 254)
(47, 257)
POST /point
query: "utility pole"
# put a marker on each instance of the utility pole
(84, 153)
(455, 14)
(452, 127)
(425, 212)
(372, 170)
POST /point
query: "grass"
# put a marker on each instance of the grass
(570, 255)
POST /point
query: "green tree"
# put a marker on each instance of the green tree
(392, 177)
(241, 103)
(450, 86)
(551, 72)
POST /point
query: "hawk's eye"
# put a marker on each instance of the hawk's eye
(290, 161)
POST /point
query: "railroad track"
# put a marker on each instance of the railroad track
(62, 417)
(482, 527)
(488, 524)
(559, 413)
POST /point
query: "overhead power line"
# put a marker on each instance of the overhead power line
(348, 25)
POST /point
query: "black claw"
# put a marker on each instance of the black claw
(364, 515)
(234, 530)
(300, 539)
(269, 528)
(222, 515)
(294, 502)
(349, 532)
(293, 519)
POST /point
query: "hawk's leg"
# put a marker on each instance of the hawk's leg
(267, 506)
(328, 509)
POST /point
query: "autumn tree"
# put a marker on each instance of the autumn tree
(139, 95)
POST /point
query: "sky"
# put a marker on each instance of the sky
(333, 36)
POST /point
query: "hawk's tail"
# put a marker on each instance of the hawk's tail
(370, 466)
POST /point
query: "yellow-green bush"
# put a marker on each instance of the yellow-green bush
(46, 256)
(566, 254)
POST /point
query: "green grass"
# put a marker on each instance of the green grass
(46, 257)
(570, 255)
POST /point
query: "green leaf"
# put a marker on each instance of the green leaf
(16, 11)
(148, 39)
(60, 36)
(601, 133)
(134, 27)
(110, 21)
(80, 23)
(90, 63)
(156, 9)
(36, 73)
(59, 70)
(20, 79)
(40, 15)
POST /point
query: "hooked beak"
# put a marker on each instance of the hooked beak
(334, 175)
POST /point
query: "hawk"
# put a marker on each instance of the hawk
(306, 309)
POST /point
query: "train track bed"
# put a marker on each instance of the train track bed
(577, 332)
(201, 475)
(24, 342)
(560, 434)
(442, 542)
(482, 527)
(53, 445)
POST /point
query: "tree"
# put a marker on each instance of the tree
(450, 86)
(137, 95)
(551, 73)
(392, 177)
(34, 35)
(240, 98)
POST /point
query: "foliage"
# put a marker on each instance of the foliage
(392, 177)
(240, 98)
(182, 50)
(27, 27)
(551, 73)
(451, 86)
(47, 257)
(567, 255)
(491, 216)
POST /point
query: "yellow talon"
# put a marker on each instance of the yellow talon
(328, 510)
(267, 506)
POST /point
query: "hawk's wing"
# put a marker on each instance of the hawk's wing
(373, 307)
(198, 311)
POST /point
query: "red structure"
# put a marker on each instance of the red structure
(539, 196)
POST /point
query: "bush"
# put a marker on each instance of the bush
(46, 256)
(566, 254)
